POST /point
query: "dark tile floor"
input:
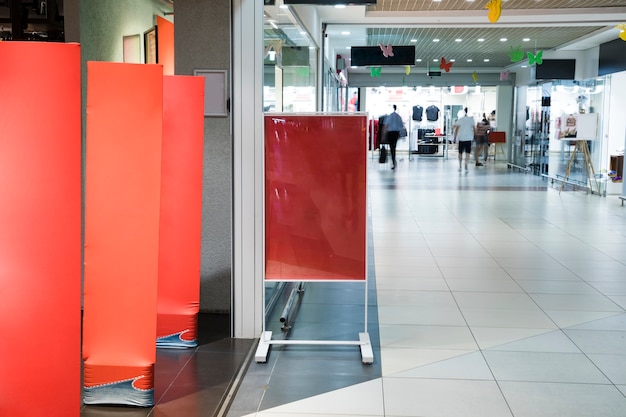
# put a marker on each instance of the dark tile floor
(191, 382)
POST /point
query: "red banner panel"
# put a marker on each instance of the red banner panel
(181, 211)
(40, 229)
(315, 197)
(122, 199)
(165, 44)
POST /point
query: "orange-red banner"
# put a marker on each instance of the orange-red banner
(165, 44)
(315, 197)
(122, 199)
(181, 211)
(40, 221)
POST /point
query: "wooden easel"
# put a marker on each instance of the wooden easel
(581, 146)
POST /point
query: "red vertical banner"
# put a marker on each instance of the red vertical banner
(165, 44)
(40, 221)
(315, 197)
(122, 199)
(181, 211)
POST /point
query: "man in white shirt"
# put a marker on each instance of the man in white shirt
(464, 130)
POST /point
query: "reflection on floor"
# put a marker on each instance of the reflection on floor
(495, 295)
(191, 382)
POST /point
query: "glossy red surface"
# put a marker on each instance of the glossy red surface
(315, 197)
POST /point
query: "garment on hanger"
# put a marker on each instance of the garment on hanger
(417, 113)
(432, 113)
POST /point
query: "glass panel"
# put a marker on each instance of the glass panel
(290, 59)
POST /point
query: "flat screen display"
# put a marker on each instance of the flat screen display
(362, 56)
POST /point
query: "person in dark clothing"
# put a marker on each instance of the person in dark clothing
(394, 124)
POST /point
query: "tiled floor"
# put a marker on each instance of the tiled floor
(491, 294)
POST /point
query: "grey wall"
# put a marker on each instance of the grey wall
(202, 41)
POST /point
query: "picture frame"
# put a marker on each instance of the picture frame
(132, 48)
(215, 92)
(150, 41)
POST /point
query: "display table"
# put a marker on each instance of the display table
(430, 146)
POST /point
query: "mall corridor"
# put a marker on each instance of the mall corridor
(493, 295)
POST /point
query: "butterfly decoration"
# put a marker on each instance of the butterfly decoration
(445, 65)
(536, 58)
(375, 71)
(516, 53)
(504, 75)
(495, 10)
(387, 50)
(475, 76)
(407, 70)
(622, 31)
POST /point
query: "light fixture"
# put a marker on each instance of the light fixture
(453, 60)
(481, 40)
(469, 60)
(413, 40)
(458, 40)
(503, 39)
(418, 60)
(486, 60)
(340, 6)
(435, 40)
(526, 39)
(435, 60)
(345, 33)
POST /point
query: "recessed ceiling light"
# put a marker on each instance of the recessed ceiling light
(486, 60)
(469, 60)
(435, 60)
(413, 40)
(435, 40)
(340, 6)
(348, 47)
(481, 40)
(453, 60)
(524, 66)
(418, 60)
(526, 39)
(345, 33)
(458, 40)
(437, 1)
(503, 39)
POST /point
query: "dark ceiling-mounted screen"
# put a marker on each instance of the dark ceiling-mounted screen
(362, 56)
(330, 2)
(556, 69)
(612, 57)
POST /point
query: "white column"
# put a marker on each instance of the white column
(247, 112)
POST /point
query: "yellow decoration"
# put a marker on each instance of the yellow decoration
(622, 31)
(495, 9)
(475, 76)
(407, 70)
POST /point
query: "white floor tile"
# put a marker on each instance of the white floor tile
(469, 366)
(427, 337)
(438, 397)
(396, 360)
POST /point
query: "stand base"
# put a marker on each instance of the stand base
(262, 351)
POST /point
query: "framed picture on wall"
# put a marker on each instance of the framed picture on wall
(132, 49)
(150, 46)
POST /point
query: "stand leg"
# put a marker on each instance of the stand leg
(367, 354)
(263, 349)
(569, 167)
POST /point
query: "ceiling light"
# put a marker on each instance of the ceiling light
(435, 40)
(524, 66)
(348, 47)
(435, 60)
(458, 40)
(345, 33)
(503, 39)
(526, 39)
(453, 60)
(486, 60)
(481, 40)
(413, 40)
(418, 60)
(340, 6)
(469, 60)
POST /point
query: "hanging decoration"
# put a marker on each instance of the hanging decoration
(387, 50)
(516, 54)
(495, 10)
(375, 71)
(504, 75)
(407, 70)
(445, 65)
(535, 58)
(475, 76)
(622, 31)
